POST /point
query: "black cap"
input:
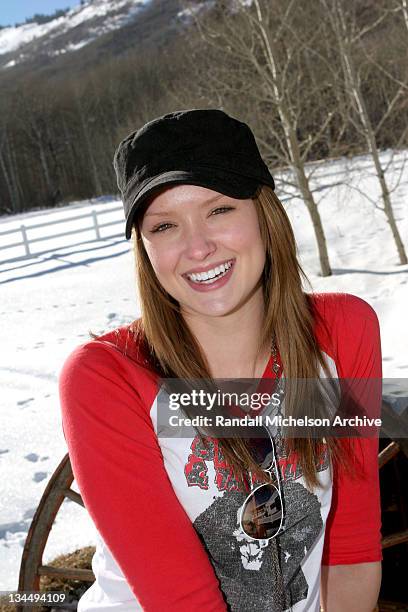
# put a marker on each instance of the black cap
(204, 147)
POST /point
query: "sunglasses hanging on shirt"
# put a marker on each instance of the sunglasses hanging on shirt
(261, 515)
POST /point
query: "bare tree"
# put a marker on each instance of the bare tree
(349, 34)
(8, 170)
(12, 203)
(87, 118)
(36, 121)
(404, 9)
(256, 60)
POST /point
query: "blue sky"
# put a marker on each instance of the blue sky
(15, 11)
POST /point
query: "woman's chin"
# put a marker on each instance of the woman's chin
(213, 309)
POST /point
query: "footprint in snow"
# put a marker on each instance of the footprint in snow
(32, 457)
(39, 476)
(24, 402)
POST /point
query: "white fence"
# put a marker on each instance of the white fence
(25, 240)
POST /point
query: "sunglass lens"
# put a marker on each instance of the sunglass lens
(261, 449)
(262, 513)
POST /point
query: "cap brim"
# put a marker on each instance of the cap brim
(227, 183)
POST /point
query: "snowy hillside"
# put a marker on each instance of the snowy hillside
(49, 303)
(80, 26)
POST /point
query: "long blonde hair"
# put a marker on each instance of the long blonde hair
(289, 319)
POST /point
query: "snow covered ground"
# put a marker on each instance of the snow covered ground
(49, 303)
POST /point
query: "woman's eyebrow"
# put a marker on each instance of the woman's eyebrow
(169, 212)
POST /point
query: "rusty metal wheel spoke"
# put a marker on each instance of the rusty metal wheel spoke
(74, 496)
(395, 538)
(388, 453)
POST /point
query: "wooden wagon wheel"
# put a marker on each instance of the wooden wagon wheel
(59, 487)
(392, 424)
(32, 568)
(386, 455)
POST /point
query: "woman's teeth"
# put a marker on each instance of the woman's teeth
(211, 275)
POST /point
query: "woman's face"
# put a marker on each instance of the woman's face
(205, 248)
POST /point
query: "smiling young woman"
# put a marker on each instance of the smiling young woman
(184, 522)
(189, 231)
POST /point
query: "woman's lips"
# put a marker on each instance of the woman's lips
(220, 282)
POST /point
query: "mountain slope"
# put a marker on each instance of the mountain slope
(77, 28)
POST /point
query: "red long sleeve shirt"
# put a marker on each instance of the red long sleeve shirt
(166, 509)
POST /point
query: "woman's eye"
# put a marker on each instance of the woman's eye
(160, 228)
(222, 209)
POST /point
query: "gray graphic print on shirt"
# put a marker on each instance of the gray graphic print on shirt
(251, 572)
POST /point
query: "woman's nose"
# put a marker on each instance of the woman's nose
(198, 243)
